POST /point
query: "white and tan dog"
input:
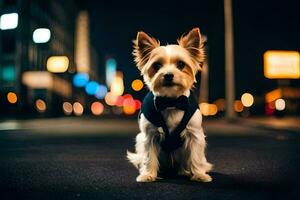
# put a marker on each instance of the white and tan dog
(169, 71)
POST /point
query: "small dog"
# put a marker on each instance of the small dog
(166, 142)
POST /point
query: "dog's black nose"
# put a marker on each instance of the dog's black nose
(168, 77)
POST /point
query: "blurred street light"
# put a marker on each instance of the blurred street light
(9, 21)
(101, 92)
(137, 85)
(110, 99)
(208, 109)
(238, 106)
(91, 88)
(57, 64)
(280, 104)
(78, 109)
(67, 108)
(129, 106)
(97, 108)
(247, 99)
(110, 69)
(80, 79)
(117, 86)
(40, 105)
(12, 97)
(41, 35)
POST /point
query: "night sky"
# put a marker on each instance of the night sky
(258, 26)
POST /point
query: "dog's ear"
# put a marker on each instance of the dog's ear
(193, 44)
(143, 45)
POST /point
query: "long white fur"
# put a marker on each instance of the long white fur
(191, 155)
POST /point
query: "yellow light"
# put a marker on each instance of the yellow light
(117, 86)
(110, 99)
(137, 85)
(38, 79)
(129, 106)
(238, 106)
(247, 99)
(282, 64)
(12, 97)
(40, 105)
(67, 108)
(97, 108)
(77, 109)
(280, 104)
(208, 109)
(57, 64)
(273, 95)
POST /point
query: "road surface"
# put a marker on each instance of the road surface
(46, 164)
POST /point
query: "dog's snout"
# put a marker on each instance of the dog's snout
(169, 76)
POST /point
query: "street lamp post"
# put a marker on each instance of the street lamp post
(229, 61)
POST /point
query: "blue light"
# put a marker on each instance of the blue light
(8, 73)
(101, 92)
(80, 79)
(111, 68)
(91, 88)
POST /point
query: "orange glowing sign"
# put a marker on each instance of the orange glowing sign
(282, 64)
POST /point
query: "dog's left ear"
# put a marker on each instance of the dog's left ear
(193, 44)
(142, 47)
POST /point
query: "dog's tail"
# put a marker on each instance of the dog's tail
(134, 158)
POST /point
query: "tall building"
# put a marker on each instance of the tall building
(31, 31)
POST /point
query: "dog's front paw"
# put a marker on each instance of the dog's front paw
(145, 178)
(201, 178)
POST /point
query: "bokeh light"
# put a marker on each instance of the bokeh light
(12, 97)
(80, 79)
(110, 99)
(91, 88)
(280, 104)
(9, 21)
(78, 109)
(58, 64)
(119, 101)
(97, 108)
(138, 104)
(238, 106)
(117, 86)
(208, 109)
(41, 35)
(40, 105)
(67, 108)
(137, 85)
(129, 106)
(247, 99)
(101, 92)
(110, 68)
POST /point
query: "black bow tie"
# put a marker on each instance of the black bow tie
(162, 103)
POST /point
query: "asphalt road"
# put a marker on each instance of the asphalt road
(91, 166)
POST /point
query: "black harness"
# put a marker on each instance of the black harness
(152, 107)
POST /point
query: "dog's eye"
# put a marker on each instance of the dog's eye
(156, 66)
(180, 65)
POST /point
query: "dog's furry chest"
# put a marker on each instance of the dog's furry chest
(172, 117)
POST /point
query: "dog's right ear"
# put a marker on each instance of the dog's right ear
(143, 45)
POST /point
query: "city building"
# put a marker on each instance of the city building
(31, 32)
